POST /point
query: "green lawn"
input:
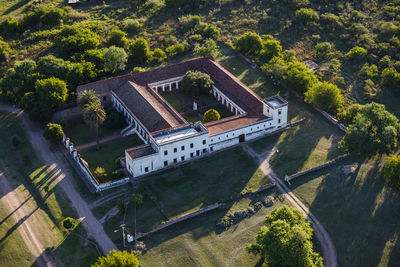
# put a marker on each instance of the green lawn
(173, 100)
(205, 181)
(108, 153)
(358, 210)
(30, 177)
(223, 111)
(80, 133)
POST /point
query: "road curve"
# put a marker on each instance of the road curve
(328, 249)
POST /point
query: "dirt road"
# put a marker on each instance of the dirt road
(65, 180)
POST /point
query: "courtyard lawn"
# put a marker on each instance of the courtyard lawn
(33, 182)
(205, 181)
(359, 211)
(191, 117)
(223, 111)
(80, 133)
(109, 153)
(173, 100)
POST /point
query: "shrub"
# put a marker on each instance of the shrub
(16, 140)
(132, 26)
(46, 15)
(176, 49)
(368, 71)
(115, 175)
(115, 59)
(326, 96)
(350, 112)
(139, 51)
(249, 43)
(210, 31)
(322, 50)
(53, 132)
(306, 15)
(69, 223)
(11, 25)
(117, 258)
(271, 48)
(357, 53)
(117, 38)
(209, 48)
(211, 115)
(99, 173)
(158, 55)
(138, 70)
(75, 39)
(5, 51)
(196, 83)
(390, 77)
(189, 21)
(94, 56)
(391, 171)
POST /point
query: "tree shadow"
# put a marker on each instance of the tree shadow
(16, 6)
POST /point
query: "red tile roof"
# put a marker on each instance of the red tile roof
(232, 123)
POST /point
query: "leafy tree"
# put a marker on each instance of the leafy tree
(81, 73)
(46, 15)
(390, 77)
(373, 129)
(211, 31)
(117, 38)
(299, 77)
(211, 115)
(86, 97)
(306, 15)
(100, 174)
(357, 53)
(69, 223)
(53, 132)
(132, 25)
(209, 48)
(5, 51)
(117, 259)
(176, 49)
(350, 112)
(369, 71)
(271, 48)
(391, 170)
(249, 43)
(94, 115)
(115, 59)
(322, 50)
(196, 83)
(52, 92)
(94, 56)
(51, 66)
(139, 51)
(285, 240)
(75, 39)
(158, 55)
(10, 25)
(326, 96)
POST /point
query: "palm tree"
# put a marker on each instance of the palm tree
(86, 97)
(137, 200)
(94, 115)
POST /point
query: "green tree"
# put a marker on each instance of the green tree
(51, 66)
(117, 38)
(37, 110)
(322, 50)
(271, 48)
(369, 71)
(5, 51)
(53, 132)
(52, 92)
(209, 48)
(211, 115)
(100, 174)
(326, 96)
(357, 53)
(81, 73)
(139, 51)
(299, 77)
(306, 15)
(174, 50)
(86, 97)
(196, 83)
(350, 113)
(117, 259)
(69, 223)
(137, 200)
(391, 170)
(249, 43)
(75, 39)
(285, 240)
(373, 130)
(115, 59)
(390, 77)
(211, 31)
(158, 55)
(94, 56)
(94, 115)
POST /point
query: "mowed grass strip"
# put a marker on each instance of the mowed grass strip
(173, 100)
(359, 211)
(205, 181)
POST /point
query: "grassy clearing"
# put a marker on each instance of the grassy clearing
(108, 153)
(205, 181)
(173, 100)
(33, 181)
(199, 243)
(80, 133)
(358, 210)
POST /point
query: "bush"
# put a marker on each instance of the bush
(306, 15)
(132, 26)
(94, 56)
(139, 51)
(357, 53)
(368, 71)
(115, 59)
(46, 15)
(5, 51)
(249, 43)
(390, 77)
(69, 223)
(209, 48)
(100, 174)
(174, 50)
(16, 140)
(117, 258)
(158, 55)
(53, 132)
(391, 171)
(196, 83)
(115, 175)
(138, 70)
(271, 48)
(75, 39)
(210, 31)
(211, 115)
(326, 96)
(117, 38)
(350, 113)
(189, 21)
(11, 25)
(322, 50)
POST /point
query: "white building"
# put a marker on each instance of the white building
(169, 139)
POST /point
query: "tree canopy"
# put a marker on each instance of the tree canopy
(326, 96)
(211, 115)
(115, 59)
(249, 43)
(391, 170)
(52, 92)
(117, 259)
(53, 132)
(196, 83)
(139, 51)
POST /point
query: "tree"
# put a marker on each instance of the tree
(115, 59)
(36, 109)
(68, 223)
(299, 77)
(137, 200)
(326, 96)
(211, 115)
(271, 48)
(139, 51)
(357, 53)
(196, 83)
(100, 174)
(373, 130)
(158, 55)
(209, 48)
(5, 51)
(94, 56)
(322, 50)
(51, 66)
(391, 170)
(117, 259)
(174, 50)
(53, 132)
(390, 77)
(285, 240)
(306, 15)
(117, 38)
(211, 31)
(94, 115)
(81, 73)
(52, 92)
(350, 112)
(249, 43)
(75, 39)
(86, 97)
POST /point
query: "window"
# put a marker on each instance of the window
(197, 152)
(204, 150)
(146, 169)
(183, 148)
(166, 163)
(212, 140)
(192, 155)
(226, 136)
(183, 158)
(279, 112)
(251, 129)
(191, 145)
(175, 150)
(279, 121)
(166, 152)
(175, 160)
(212, 148)
(204, 142)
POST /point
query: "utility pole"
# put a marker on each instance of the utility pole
(123, 233)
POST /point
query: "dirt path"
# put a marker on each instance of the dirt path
(102, 141)
(65, 180)
(328, 249)
(28, 221)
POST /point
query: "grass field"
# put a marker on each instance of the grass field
(359, 211)
(108, 153)
(30, 178)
